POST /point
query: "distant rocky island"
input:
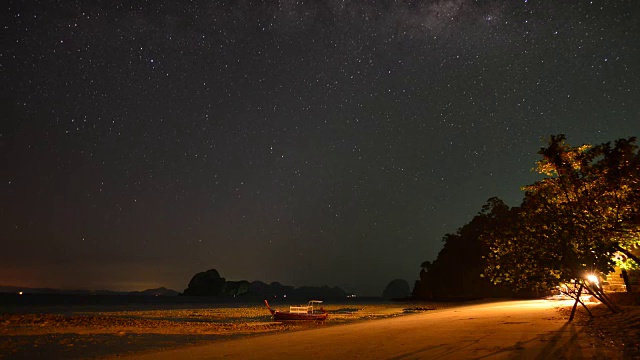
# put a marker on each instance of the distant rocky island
(207, 283)
(397, 289)
(210, 283)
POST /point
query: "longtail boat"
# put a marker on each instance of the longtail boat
(299, 312)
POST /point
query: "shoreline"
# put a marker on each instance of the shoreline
(117, 333)
(98, 332)
(501, 330)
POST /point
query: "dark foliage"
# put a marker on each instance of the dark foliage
(457, 271)
(573, 221)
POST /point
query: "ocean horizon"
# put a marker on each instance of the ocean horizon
(64, 303)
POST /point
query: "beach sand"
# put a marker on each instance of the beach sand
(95, 334)
(619, 331)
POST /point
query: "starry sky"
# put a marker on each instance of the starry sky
(319, 142)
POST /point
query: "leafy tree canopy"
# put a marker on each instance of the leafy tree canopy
(456, 272)
(585, 209)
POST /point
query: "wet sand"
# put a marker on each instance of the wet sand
(79, 333)
(495, 330)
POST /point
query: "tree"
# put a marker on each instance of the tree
(456, 272)
(597, 186)
(573, 221)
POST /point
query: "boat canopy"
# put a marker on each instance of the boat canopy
(308, 309)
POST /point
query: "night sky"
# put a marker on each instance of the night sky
(306, 142)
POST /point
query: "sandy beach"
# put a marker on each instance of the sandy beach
(95, 332)
(534, 329)
(520, 329)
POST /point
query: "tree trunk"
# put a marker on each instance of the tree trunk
(586, 308)
(598, 294)
(625, 277)
(575, 305)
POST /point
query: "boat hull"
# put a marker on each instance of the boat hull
(287, 315)
(281, 315)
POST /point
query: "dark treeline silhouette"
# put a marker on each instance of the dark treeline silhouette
(456, 274)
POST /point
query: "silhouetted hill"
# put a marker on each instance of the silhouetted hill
(397, 289)
(210, 283)
(162, 291)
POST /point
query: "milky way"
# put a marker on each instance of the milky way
(322, 142)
